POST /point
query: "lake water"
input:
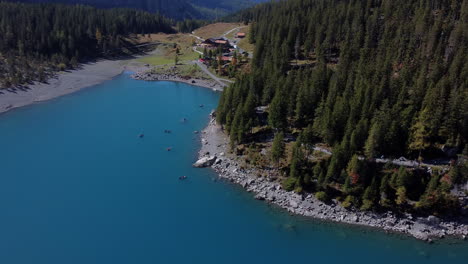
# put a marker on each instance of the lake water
(78, 185)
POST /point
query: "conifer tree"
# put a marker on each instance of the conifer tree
(277, 111)
(277, 150)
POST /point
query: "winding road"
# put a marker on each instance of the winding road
(214, 77)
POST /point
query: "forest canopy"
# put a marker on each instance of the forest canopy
(36, 37)
(368, 78)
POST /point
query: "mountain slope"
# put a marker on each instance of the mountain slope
(177, 9)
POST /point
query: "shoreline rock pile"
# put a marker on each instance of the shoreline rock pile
(174, 76)
(212, 153)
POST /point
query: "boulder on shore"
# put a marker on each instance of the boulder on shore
(204, 162)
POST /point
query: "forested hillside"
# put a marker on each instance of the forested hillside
(366, 78)
(214, 9)
(176, 9)
(37, 39)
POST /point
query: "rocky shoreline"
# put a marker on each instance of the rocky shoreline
(213, 154)
(174, 76)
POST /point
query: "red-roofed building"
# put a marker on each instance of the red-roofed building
(240, 35)
(221, 41)
(214, 43)
(225, 58)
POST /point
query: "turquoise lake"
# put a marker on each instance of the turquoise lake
(78, 185)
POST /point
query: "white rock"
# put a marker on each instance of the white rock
(205, 162)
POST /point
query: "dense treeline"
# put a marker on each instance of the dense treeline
(39, 37)
(369, 78)
(176, 9)
(189, 25)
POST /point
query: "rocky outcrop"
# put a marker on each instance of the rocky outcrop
(205, 162)
(265, 188)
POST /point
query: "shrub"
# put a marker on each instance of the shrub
(401, 196)
(385, 202)
(349, 201)
(289, 184)
(61, 66)
(367, 205)
(322, 196)
(298, 189)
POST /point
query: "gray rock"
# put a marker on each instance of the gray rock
(204, 162)
(259, 197)
(432, 220)
(293, 204)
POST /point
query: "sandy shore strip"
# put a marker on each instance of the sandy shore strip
(214, 153)
(88, 74)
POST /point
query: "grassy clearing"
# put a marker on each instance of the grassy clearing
(244, 43)
(182, 39)
(215, 30)
(165, 52)
(232, 35)
(303, 62)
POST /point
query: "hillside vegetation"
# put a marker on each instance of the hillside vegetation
(175, 9)
(40, 39)
(366, 78)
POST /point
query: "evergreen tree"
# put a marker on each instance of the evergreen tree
(296, 160)
(277, 150)
(277, 111)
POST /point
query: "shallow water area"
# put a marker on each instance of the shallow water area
(79, 185)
